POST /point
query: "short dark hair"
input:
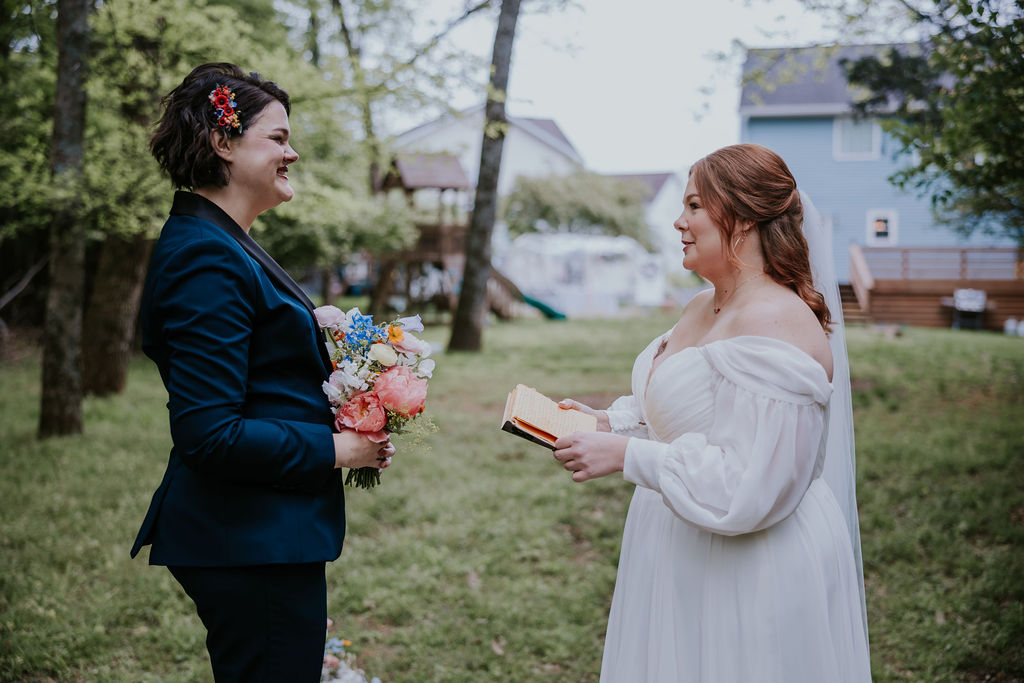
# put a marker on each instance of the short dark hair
(181, 141)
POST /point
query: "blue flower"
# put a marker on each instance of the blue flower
(335, 646)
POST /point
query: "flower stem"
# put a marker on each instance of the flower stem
(363, 477)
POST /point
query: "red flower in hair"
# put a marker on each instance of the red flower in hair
(220, 100)
(223, 101)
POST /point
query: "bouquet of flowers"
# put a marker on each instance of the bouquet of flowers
(379, 383)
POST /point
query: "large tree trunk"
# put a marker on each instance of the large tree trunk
(382, 290)
(468, 324)
(60, 409)
(111, 313)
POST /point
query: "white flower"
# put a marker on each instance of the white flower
(329, 316)
(413, 345)
(383, 354)
(352, 376)
(334, 393)
(410, 324)
(426, 368)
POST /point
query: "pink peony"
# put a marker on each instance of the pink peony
(401, 391)
(363, 413)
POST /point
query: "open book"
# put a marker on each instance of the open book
(533, 416)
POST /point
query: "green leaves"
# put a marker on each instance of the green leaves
(959, 111)
(580, 203)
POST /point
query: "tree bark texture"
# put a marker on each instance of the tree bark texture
(468, 323)
(60, 410)
(111, 313)
(382, 290)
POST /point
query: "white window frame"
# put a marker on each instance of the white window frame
(837, 140)
(889, 215)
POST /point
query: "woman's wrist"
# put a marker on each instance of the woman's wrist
(341, 450)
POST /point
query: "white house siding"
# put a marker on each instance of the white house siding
(660, 214)
(522, 153)
(844, 191)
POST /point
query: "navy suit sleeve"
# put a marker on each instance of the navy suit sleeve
(205, 302)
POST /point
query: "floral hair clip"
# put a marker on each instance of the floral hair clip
(224, 107)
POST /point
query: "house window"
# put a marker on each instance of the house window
(882, 225)
(856, 139)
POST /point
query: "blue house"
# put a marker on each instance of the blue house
(797, 102)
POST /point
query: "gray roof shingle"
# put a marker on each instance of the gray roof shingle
(807, 80)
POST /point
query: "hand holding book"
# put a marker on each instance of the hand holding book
(533, 416)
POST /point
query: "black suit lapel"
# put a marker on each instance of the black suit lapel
(191, 204)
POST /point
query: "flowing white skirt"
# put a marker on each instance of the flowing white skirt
(776, 606)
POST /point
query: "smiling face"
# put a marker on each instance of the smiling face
(703, 241)
(259, 159)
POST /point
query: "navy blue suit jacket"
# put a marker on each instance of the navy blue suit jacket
(251, 477)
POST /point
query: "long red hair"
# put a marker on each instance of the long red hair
(743, 184)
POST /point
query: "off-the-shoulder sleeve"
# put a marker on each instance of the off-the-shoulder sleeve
(624, 417)
(748, 472)
(206, 320)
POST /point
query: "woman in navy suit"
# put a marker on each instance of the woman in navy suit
(251, 505)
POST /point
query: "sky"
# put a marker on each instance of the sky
(632, 83)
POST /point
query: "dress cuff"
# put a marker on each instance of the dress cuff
(622, 420)
(642, 463)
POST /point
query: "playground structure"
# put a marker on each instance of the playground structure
(428, 274)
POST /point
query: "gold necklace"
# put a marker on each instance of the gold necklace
(718, 308)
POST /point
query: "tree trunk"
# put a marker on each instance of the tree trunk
(382, 290)
(468, 324)
(60, 409)
(111, 313)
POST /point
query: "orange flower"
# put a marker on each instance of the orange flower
(395, 334)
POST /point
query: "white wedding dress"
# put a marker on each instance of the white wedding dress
(737, 564)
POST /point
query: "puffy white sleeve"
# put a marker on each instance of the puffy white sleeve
(748, 472)
(624, 417)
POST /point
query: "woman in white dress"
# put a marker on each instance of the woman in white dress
(740, 556)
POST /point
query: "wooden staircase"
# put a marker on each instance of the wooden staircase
(852, 313)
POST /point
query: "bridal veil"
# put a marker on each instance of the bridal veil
(840, 456)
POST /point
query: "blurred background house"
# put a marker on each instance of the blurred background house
(584, 275)
(895, 263)
(533, 146)
(551, 272)
(663, 202)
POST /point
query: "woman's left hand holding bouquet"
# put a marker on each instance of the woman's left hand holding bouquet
(354, 449)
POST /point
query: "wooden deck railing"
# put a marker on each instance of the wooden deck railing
(913, 285)
(860, 277)
(938, 263)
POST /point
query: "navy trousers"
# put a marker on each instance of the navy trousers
(263, 623)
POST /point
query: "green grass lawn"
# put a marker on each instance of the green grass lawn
(479, 560)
